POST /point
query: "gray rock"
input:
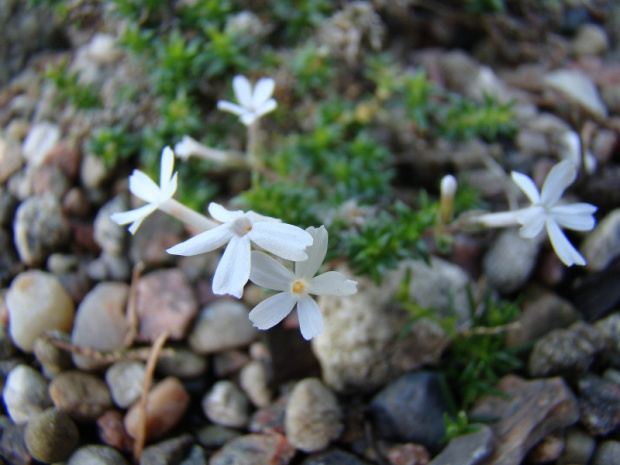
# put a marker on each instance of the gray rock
(40, 228)
(12, 447)
(37, 302)
(548, 449)
(527, 412)
(609, 327)
(109, 267)
(41, 139)
(255, 449)
(578, 88)
(607, 453)
(25, 394)
(222, 325)
(10, 264)
(254, 380)
(373, 351)
(566, 351)
(578, 448)
(196, 456)
(7, 348)
(333, 457)
(591, 39)
(168, 452)
(599, 403)
(83, 396)
(125, 382)
(10, 158)
(51, 436)
(313, 417)
(111, 237)
(225, 404)
(470, 449)
(183, 364)
(603, 244)
(53, 359)
(158, 233)
(411, 409)
(96, 455)
(510, 261)
(215, 436)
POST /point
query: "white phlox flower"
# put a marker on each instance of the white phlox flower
(145, 188)
(239, 229)
(545, 211)
(253, 103)
(296, 288)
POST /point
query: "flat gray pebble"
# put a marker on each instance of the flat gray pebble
(96, 455)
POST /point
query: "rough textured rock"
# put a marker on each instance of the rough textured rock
(333, 457)
(255, 449)
(470, 449)
(12, 447)
(411, 409)
(578, 447)
(96, 455)
(111, 237)
(83, 396)
(100, 322)
(313, 417)
(170, 451)
(361, 347)
(37, 303)
(607, 453)
(51, 436)
(610, 328)
(530, 411)
(25, 394)
(599, 403)
(603, 244)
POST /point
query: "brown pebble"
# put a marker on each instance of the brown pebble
(112, 431)
(82, 395)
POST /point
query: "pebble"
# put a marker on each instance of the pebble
(52, 359)
(578, 87)
(10, 264)
(93, 171)
(112, 431)
(607, 453)
(196, 456)
(599, 403)
(184, 364)
(470, 449)
(25, 394)
(222, 325)
(165, 406)
(40, 228)
(125, 382)
(547, 450)
(603, 244)
(168, 452)
(96, 455)
(411, 409)
(369, 354)
(527, 412)
(270, 419)
(12, 447)
(7, 348)
(578, 448)
(510, 261)
(51, 436)
(610, 328)
(37, 303)
(100, 322)
(158, 233)
(84, 396)
(591, 39)
(10, 158)
(165, 303)
(49, 180)
(109, 267)
(215, 436)
(313, 416)
(333, 457)
(255, 449)
(229, 362)
(254, 380)
(406, 454)
(566, 351)
(40, 140)
(227, 405)
(111, 237)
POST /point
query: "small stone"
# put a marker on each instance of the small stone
(40, 228)
(229, 362)
(51, 436)
(607, 453)
(215, 436)
(165, 303)
(93, 171)
(25, 394)
(225, 404)
(313, 416)
(53, 359)
(220, 326)
(111, 237)
(10, 158)
(527, 411)
(12, 447)
(158, 233)
(470, 449)
(75, 203)
(165, 406)
(578, 87)
(37, 303)
(83, 396)
(254, 380)
(578, 448)
(168, 452)
(547, 450)
(408, 454)
(112, 431)
(49, 180)
(603, 244)
(96, 455)
(196, 456)
(7, 348)
(333, 457)
(183, 364)
(411, 409)
(40, 140)
(125, 382)
(65, 156)
(566, 351)
(599, 403)
(100, 322)
(109, 267)
(255, 449)
(270, 419)
(591, 39)
(10, 263)
(609, 327)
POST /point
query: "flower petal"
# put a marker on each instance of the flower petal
(272, 310)
(281, 239)
(203, 242)
(559, 178)
(310, 318)
(221, 214)
(575, 209)
(533, 221)
(270, 273)
(266, 107)
(231, 107)
(562, 246)
(578, 219)
(168, 190)
(243, 91)
(248, 118)
(143, 187)
(528, 187)
(233, 271)
(167, 165)
(332, 283)
(133, 216)
(263, 90)
(316, 253)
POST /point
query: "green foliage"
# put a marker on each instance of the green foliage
(112, 143)
(223, 52)
(69, 88)
(458, 426)
(298, 18)
(418, 93)
(485, 6)
(313, 69)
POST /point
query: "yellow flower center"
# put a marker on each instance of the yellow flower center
(242, 226)
(298, 287)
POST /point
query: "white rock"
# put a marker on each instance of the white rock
(25, 394)
(125, 382)
(603, 244)
(225, 404)
(40, 140)
(10, 158)
(254, 380)
(577, 87)
(37, 303)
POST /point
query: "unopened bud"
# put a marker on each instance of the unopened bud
(446, 200)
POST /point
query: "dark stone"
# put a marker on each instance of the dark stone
(196, 456)
(10, 264)
(470, 449)
(169, 452)
(255, 449)
(12, 446)
(411, 410)
(599, 404)
(333, 457)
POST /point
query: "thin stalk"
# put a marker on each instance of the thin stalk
(187, 215)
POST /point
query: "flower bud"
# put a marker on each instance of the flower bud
(446, 200)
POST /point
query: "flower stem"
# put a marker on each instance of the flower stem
(252, 154)
(187, 215)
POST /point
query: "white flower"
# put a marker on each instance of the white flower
(253, 103)
(296, 287)
(238, 230)
(545, 211)
(143, 187)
